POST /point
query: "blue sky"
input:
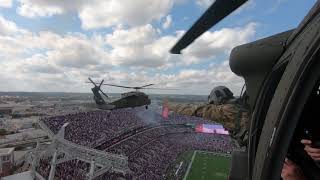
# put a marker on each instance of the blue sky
(54, 45)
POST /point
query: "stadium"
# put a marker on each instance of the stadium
(152, 146)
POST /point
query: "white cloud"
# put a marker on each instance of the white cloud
(38, 63)
(188, 81)
(100, 14)
(220, 41)
(137, 36)
(204, 3)
(167, 23)
(144, 47)
(42, 8)
(127, 12)
(34, 8)
(76, 52)
(134, 47)
(202, 81)
(46, 61)
(6, 3)
(7, 27)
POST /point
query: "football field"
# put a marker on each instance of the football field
(208, 166)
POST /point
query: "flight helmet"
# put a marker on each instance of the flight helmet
(220, 95)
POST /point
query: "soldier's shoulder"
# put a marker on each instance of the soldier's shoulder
(184, 104)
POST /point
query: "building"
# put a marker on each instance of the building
(21, 176)
(5, 110)
(6, 161)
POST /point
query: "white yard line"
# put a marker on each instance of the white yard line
(189, 167)
(178, 168)
(215, 153)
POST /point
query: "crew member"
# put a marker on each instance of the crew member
(223, 108)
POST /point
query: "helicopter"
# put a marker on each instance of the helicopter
(131, 99)
(282, 77)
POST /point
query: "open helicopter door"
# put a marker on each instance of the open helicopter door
(255, 63)
(296, 84)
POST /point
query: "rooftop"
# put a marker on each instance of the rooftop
(21, 176)
(5, 151)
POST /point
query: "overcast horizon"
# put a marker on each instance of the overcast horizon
(54, 46)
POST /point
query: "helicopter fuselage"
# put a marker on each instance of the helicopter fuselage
(131, 99)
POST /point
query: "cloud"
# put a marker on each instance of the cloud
(7, 27)
(188, 81)
(47, 61)
(76, 52)
(44, 8)
(167, 23)
(137, 47)
(35, 8)
(38, 63)
(202, 81)
(144, 47)
(127, 12)
(6, 3)
(204, 3)
(276, 5)
(213, 43)
(100, 14)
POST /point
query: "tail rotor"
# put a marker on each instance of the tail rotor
(98, 87)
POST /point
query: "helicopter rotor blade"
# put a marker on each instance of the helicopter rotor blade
(128, 87)
(103, 93)
(214, 14)
(101, 82)
(161, 88)
(91, 81)
(99, 87)
(146, 85)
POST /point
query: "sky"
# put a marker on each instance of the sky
(54, 46)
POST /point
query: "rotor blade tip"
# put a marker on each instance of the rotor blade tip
(175, 51)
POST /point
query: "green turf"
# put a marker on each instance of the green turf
(209, 166)
(185, 158)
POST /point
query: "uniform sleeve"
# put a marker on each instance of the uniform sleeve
(183, 109)
(231, 116)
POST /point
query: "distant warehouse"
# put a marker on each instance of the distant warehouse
(6, 110)
(6, 161)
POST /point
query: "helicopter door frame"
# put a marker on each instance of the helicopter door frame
(262, 105)
(295, 86)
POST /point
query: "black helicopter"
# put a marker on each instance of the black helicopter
(282, 76)
(129, 99)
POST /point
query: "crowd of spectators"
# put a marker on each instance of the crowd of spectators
(150, 152)
(73, 169)
(152, 159)
(86, 127)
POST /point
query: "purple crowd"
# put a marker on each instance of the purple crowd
(73, 169)
(150, 151)
(150, 159)
(87, 127)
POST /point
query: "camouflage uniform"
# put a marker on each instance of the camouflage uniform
(233, 117)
